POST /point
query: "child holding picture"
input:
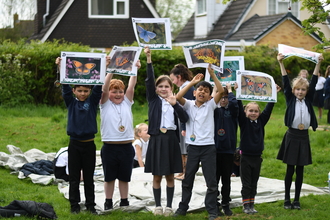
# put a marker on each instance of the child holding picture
(163, 155)
(117, 134)
(200, 137)
(295, 149)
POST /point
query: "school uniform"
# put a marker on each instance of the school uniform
(200, 137)
(295, 148)
(117, 126)
(225, 129)
(144, 147)
(163, 154)
(252, 135)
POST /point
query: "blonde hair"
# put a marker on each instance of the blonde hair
(137, 130)
(251, 103)
(116, 84)
(303, 71)
(299, 82)
(327, 72)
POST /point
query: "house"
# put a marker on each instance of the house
(98, 23)
(22, 28)
(249, 22)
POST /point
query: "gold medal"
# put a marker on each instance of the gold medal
(192, 137)
(121, 128)
(163, 130)
(301, 126)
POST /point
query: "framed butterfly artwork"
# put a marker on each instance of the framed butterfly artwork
(288, 51)
(201, 54)
(153, 32)
(231, 64)
(82, 68)
(255, 86)
(123, 60)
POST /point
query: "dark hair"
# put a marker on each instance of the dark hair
(183, 71)
(204, 84)
(163, 78)
(225, 91)
(87, 86)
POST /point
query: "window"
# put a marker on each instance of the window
(108, 8)
(281, 6)
(201, 7)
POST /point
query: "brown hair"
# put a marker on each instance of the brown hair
(303, 71)
(327, 72)
(183, 71)
(163, 78)
(116, 84)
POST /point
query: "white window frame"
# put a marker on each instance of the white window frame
(204, 7)
(115, 15)
(277, 6)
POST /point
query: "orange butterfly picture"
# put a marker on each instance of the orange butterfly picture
(121, 61)
(83, 69)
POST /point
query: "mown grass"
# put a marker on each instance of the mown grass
(44, 128)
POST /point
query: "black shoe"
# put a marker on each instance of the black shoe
(219, 211)
(287, 204)
(75, 209)
(92, 210)
(108, 205)
(296, 205)
(226, 210)
(124, 202)
(179, 212)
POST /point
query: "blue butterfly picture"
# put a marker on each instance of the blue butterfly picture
(145, 35)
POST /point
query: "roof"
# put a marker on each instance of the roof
(224, 26)
(257, 26)
(70, 22)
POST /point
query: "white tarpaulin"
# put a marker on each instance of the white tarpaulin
(140, 187)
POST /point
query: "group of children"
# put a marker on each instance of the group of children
(210, 119)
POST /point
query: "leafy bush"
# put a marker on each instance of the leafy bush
(28, 71)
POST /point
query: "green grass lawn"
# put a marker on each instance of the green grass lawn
(44, 128)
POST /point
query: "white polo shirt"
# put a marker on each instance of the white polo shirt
(112, 117)
(200, 123)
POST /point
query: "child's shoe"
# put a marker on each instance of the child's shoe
(252, 209)
(168, 212)
(158, 210)
(108, 204)
(246, 208)
(226, 210)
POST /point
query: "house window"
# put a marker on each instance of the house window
(281, 6)
(108, 8)
(201, 7)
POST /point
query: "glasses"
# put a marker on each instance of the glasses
(224, 97)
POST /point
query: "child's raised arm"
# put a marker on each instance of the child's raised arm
(317, 66)
(280, 58)
(132, 83)
(106, 85)
(217, 83)
(148, 54)
(182, 92)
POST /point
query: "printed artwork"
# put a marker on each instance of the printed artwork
(82, 68)
(231, 65)
(123, 60)
(255, 86)
(153, 32)
(200, 55)
(288, 51)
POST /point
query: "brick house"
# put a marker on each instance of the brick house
(249, 22)
(97, 23)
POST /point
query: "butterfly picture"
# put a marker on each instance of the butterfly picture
(83, 69)
(255, 87)
(145, 35)
(121, 61)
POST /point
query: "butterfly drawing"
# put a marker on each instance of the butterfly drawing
(121, 61)
(83, 69)
(145, 35)
(255, 87)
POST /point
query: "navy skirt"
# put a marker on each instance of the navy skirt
(163, 154)
(318, 99)
(295, 148)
